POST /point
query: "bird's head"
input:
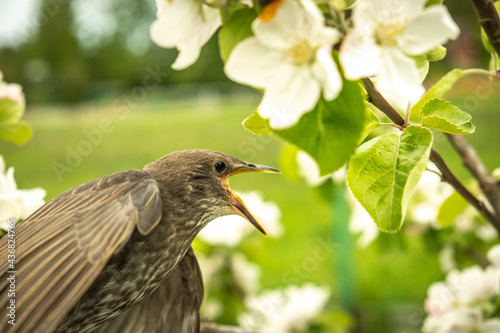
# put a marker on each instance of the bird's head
(200, 178)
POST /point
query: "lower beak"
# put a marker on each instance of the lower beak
(237, 203)
(243, 211)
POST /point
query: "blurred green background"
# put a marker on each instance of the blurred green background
(102, 98)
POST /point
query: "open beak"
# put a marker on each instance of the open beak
(236, 201)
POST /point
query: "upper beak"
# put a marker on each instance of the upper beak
(236, 201)
(250, 167)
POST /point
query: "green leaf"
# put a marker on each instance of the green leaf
(18, 133)
(453, 206)
(439, 89)
(257, 125)
(422, 66)
(446, 117)
(436, 54)
(433, 2)
(384, 172)
(371, 122)
(236, 28)
(10, 111)
(331, 131)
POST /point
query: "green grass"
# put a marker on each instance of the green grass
(388, 275)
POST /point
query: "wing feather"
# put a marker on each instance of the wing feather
(173, 308)
(63, 246)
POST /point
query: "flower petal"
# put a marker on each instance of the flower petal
(252, 63)
(325, 70)
(359, 55)
(293, 94)
(314, 29)
(186, 25)
(175, 22)
(399, 74)
(276, 33)
(432, 27)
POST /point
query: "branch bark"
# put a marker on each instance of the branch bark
(489, 20)
(450, 178)
(474, 164)
(381, 103)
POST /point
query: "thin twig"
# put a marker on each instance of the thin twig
(489, 20)
(474, 164)
(381, 103)
(450, 178)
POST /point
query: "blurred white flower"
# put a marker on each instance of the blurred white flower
(386, 34)
(287, 310)
(211, 308)
(485, 231)
(494, 256)
(290, 58)
(456, 304)
(246, 273)
(473, 284)
(11, 91)
(186, 25)
(459, 320)
(464, 222)
(491, 326)
(210, 266)
(360, 222)
(309, 170)
(229, 230)
(14, 203)
(447, 258)
(440, 299)
(428, 198)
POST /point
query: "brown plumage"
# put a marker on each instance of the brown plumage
(114, 254)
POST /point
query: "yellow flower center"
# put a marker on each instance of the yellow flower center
(300, 54)
(386, 33)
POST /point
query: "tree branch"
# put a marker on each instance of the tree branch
(474, 164)
(489, 20)
(450, 178)
(381, 103)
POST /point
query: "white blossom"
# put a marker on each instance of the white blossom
(186, 25)
(287, 310)
(494, 256)
(386, 34)
(229, 230)
(210, 266)
(459, 320)
(246, 273)
(11, 91)
(309, 170)
(15, 203)
(361, 223)
(424, 207)
(456, 304)
(290, 58)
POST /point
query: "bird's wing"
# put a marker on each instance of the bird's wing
(172, 308)
(62, 247)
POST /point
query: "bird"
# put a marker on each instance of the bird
(114, 254)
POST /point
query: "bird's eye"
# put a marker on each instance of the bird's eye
(220, 166)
